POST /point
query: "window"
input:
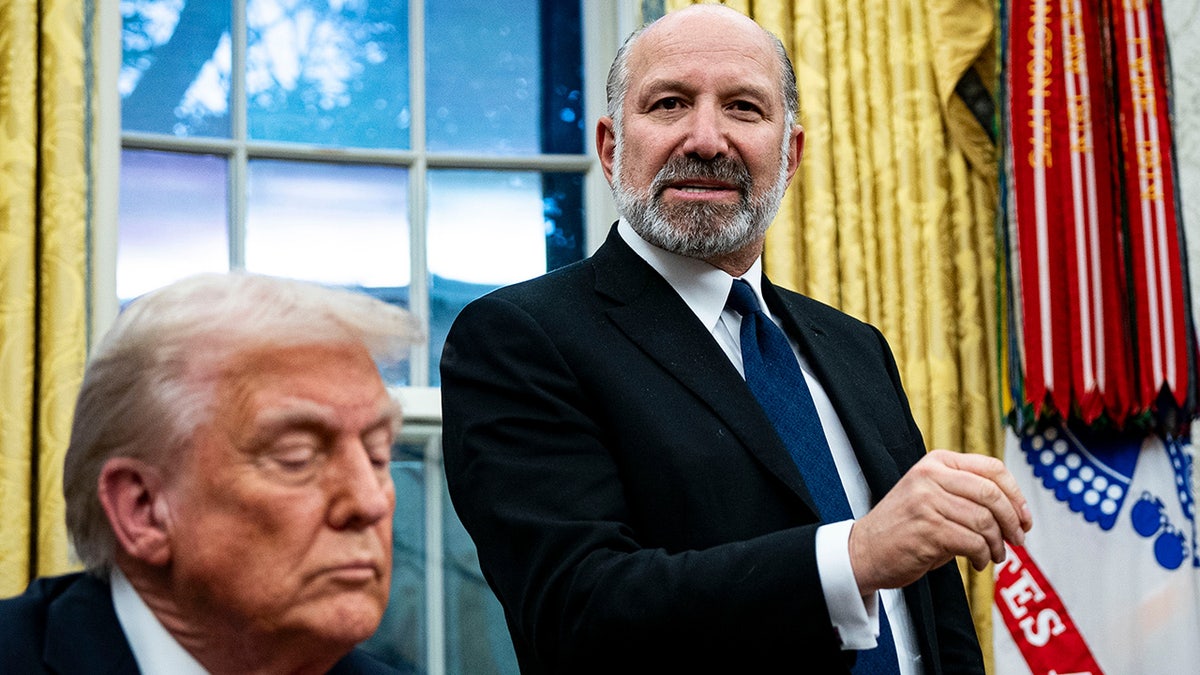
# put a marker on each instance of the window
(424, 151)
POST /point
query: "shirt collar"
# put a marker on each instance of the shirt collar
(703, 287)
(153, 647)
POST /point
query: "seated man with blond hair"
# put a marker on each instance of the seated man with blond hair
(227, 487)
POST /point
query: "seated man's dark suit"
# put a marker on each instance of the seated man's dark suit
(67, 625)
(633, 507)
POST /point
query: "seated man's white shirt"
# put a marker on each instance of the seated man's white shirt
(154, 648)
(705, 289)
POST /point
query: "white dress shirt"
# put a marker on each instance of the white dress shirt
(154, 648)
(704, 289)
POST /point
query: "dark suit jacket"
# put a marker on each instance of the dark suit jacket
(633, 508)
(67, 625)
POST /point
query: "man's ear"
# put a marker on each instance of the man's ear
(606, 145)
(132, 494)
(795, 150)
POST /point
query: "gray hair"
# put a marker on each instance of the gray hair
(139, 398)
(617, 85)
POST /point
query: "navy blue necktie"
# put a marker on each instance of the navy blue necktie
(775, 379)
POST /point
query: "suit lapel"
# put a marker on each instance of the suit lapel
(836, 368)
(659, 322)
(83, 634)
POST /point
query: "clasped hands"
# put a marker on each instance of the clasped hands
(949, 504)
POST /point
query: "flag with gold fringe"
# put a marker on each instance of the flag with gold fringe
(1101, 354)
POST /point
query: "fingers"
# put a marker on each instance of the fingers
(999, 474)
(984, 481)
(973, 531)
(949, 504)
(970, 544)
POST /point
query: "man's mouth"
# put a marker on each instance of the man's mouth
(360, 571)
(699, 189)
(702, 190)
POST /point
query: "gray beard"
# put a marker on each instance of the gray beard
(703, 231)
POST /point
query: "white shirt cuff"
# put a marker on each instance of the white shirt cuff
(856, 619)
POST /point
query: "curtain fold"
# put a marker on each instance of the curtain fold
(892, 216)
(43, 262)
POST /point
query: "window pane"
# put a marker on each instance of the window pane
(175, 67)
(172, 219)
(486, 89)
(486, 229)
(400, 638)
(333, 74)
(331, 223)
(562, 123)
(562, 203)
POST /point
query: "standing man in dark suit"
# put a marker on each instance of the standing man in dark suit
(637, 506)
(227, 486)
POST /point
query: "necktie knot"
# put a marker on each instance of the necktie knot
(742, 299)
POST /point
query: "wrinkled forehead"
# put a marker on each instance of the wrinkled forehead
(244, 369)
(327, 385)
(695, 40)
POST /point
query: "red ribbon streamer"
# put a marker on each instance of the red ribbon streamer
(1038, 128)
(1102, 317)
(1099, 349)
(1160, 322)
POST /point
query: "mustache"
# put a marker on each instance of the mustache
(722, 169)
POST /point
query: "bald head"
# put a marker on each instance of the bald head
(707, 27)
(704, 22)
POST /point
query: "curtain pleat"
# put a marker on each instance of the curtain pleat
(892, 215)
(18, 153)
(43, 263)
(62, 263)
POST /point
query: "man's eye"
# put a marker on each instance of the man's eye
(671, 103)
(295, 459)
(378, 444)
(744, 107)
(295, 453)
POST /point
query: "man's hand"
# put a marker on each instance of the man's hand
(948, 504)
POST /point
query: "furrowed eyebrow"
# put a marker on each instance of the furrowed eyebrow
(665, 84)
(271, 424)
(391, 414)
(296, 414)
(313, 416)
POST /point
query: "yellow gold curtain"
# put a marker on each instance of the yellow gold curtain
(43, 298)
(891, 217)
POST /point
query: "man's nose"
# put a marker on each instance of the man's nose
(360, 492)
(706, 133)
